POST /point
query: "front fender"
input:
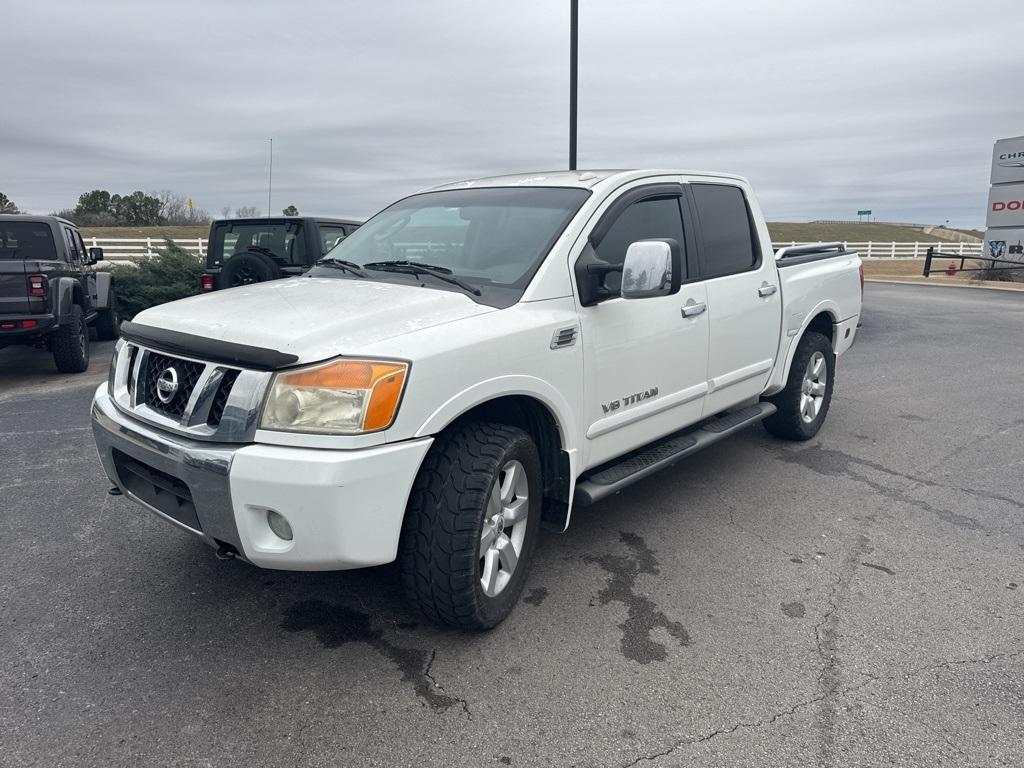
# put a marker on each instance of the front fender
(502, 386)
(104, 289)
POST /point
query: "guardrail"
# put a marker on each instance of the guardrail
(131, 249)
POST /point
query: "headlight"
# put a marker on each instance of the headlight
(340, 397)
(112, 371)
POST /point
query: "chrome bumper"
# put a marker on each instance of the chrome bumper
(201, 467)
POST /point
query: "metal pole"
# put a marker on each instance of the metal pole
(574, 6)
(270, 177)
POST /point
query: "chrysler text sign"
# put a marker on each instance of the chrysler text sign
(1006, 206)
(1008, 161)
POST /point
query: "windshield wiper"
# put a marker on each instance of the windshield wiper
(418, 268)
(348, 266)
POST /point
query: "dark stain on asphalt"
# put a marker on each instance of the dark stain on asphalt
(537, 596)
(643, 616)
(1012, 585)
(337, 625)
(881, 568)
(794, 610)
(795, 560)
(831, 463)
(913, 417)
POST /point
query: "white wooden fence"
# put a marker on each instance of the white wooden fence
(131, 249)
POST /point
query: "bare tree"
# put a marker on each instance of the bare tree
(247, 211)
(225, 212)
(175, 209)
(7, 205)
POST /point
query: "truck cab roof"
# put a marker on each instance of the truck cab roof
(30, 217)
(583, 179)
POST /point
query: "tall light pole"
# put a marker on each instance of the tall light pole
(574, 11)
(270, 177)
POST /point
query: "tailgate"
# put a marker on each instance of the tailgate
(14, 288)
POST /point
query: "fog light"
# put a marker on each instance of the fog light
(279, 525)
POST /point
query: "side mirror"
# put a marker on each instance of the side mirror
(95, 254)
(647, 270)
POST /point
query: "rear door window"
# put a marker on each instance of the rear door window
(726, 230)
(74, 254)
(26, 241)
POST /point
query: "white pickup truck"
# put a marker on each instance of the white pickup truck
(475, 362)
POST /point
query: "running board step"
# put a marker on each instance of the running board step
(613, 477)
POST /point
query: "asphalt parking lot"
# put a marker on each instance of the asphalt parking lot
(853, 601)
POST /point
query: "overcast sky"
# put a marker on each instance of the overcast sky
(826, 106)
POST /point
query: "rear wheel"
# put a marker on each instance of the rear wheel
(70, 343)
(471, 526)
(804, 403)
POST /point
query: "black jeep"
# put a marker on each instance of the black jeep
(243, 251)
(50, 290)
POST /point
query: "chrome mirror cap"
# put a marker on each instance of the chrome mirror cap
(647, 270)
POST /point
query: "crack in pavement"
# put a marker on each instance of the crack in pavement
(427, 674)
(832, 463)
(801, 705)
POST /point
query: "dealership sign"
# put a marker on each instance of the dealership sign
(1004, 238)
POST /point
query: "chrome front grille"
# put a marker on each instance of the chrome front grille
(187, 375)
(201, 399)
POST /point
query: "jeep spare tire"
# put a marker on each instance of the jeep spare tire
(249, 267)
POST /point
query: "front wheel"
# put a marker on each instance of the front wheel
(471, 525)
(804, 402)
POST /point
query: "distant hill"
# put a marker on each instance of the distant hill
(853, 232)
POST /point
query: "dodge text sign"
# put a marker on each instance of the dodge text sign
(1006, 206)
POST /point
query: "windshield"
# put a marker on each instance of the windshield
(489, 237)
(26, 240)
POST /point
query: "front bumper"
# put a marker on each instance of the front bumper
(345, 508)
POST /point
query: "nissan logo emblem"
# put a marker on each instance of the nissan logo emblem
(167, 385)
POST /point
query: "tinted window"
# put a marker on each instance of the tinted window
(26, 240)
(330, 237)
(725, 229)
(491, 237)
(652, 219)
(73, 253)
(281, 241)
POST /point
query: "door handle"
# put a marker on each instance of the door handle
(766, 290)
(693, 309)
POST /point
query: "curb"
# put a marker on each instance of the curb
(986, 285)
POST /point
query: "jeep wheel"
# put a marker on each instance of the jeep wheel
(471, 525)
(70, 343)
(108, 323)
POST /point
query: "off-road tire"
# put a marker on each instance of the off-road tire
(247, 268)
(439, 552)
(70, 343)
(788, 422)
(108, 322)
